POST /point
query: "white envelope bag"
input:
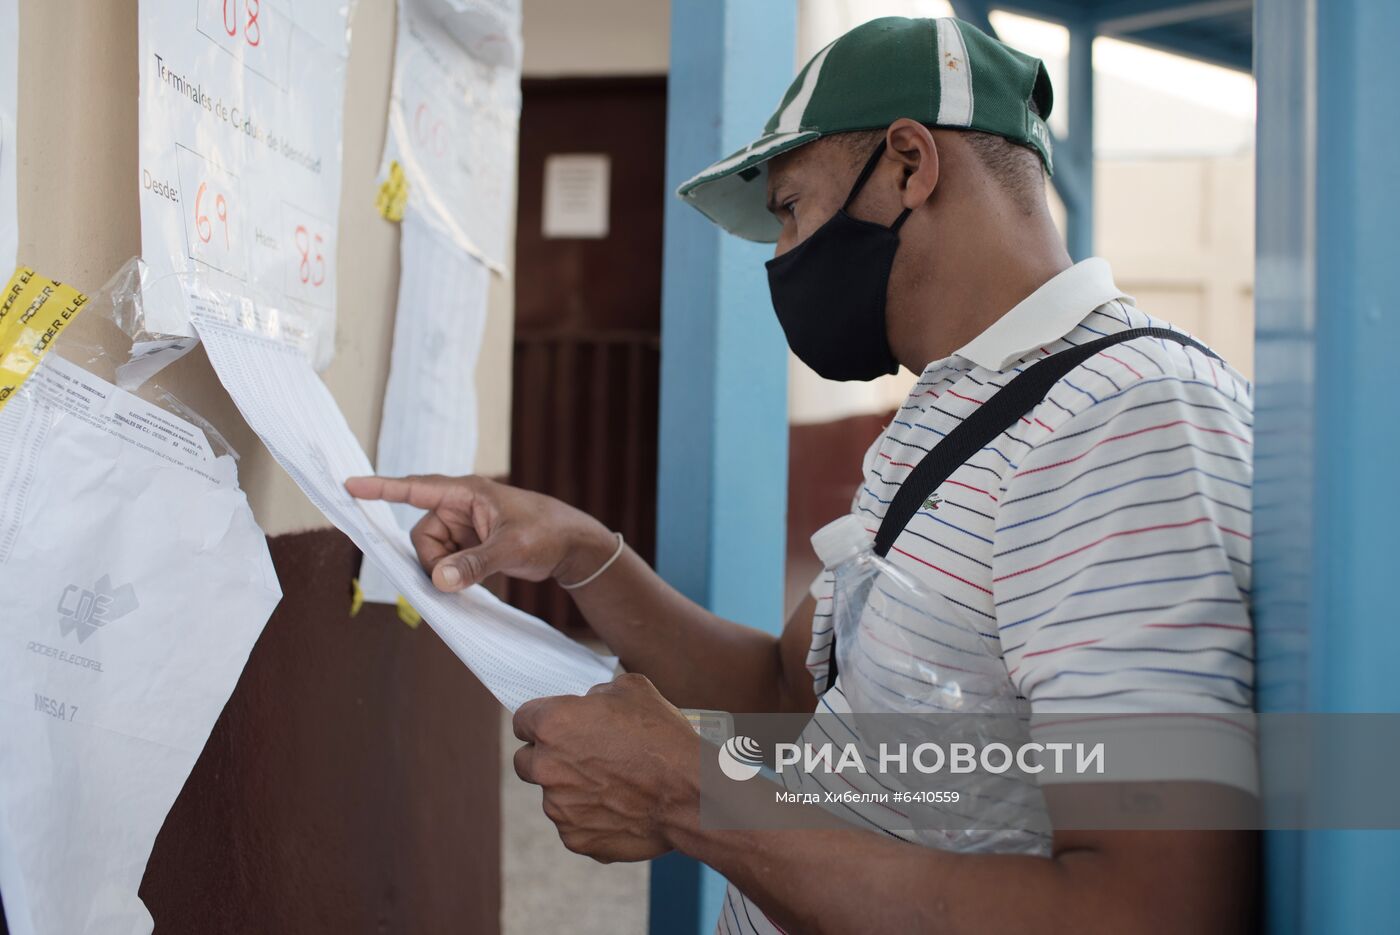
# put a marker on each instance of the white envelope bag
(133, 584)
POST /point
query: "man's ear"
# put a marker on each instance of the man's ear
(910, 144)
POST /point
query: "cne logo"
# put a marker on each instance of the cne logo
(86, 611)
(740, 758)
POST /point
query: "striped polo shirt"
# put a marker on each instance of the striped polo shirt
(1103, 540)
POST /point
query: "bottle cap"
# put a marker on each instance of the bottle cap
(841, 539)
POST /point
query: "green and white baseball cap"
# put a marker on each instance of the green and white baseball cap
(940, 72)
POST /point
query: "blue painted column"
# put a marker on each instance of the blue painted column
(1074, 162)
(722, 475)
(1327, 503)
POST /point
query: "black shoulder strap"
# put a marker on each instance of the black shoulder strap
(993, 417)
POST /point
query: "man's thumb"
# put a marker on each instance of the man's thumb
(465, 568)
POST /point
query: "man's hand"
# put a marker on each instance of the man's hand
(619, 767)
(476, 527)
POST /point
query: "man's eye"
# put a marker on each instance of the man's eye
(790, 208)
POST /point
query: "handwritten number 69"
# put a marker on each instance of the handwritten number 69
(203, 226)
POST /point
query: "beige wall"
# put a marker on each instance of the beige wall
(79, 221)
(1180, 236)
(596, 37)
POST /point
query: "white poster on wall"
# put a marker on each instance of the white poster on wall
(240, 124)
(454, 120)
(9, 124)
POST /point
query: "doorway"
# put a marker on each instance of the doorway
(588, 308)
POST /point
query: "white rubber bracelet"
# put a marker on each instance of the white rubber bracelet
(606, 565)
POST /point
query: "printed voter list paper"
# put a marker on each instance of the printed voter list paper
(133, 585)
(262, 359)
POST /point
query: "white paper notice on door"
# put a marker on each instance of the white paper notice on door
(240, 126)
(517, 656)
(9, 129)
(133, 585)
(576, 189)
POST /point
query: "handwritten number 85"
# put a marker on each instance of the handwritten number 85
(252, 29)
(311, 269)
(202, 225)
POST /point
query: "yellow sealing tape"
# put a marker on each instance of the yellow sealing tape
(407, 614)
(33, 313)
(393, 193)
(405, 610)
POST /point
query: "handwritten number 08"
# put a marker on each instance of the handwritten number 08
(315, 276)
(252, 29)
(202, 225)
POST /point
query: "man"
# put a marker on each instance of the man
(1103, 538)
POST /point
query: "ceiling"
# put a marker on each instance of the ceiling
(1216, 31)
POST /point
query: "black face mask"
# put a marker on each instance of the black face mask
(829, 292)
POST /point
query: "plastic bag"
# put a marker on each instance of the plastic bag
(913, 667)
(901, 646)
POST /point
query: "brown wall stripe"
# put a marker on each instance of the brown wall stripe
(351, 784)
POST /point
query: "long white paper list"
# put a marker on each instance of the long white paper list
(430, 418)
(517, 656)
(453, 121)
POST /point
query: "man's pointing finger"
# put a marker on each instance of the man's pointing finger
(424, 492)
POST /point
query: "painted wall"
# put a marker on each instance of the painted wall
(79, 221)
(597, 37)
(1180, 236)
